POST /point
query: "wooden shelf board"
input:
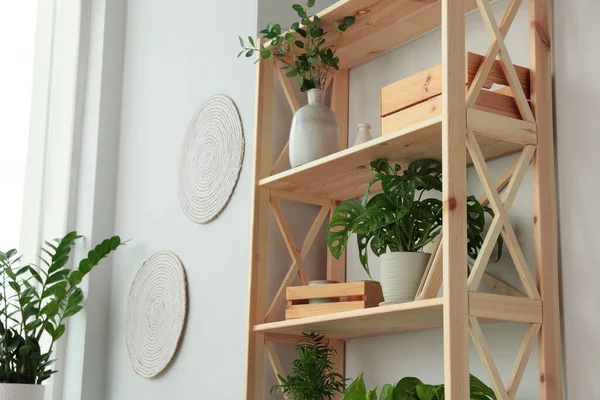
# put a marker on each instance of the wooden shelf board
(345, 174)
(381, 25)
(405, 317)
(397, 318)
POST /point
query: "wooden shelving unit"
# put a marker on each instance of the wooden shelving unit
(460, 136)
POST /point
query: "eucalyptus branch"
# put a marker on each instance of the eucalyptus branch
(312, 62)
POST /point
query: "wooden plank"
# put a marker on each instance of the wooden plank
(340, 95)
(522, 359)
(544, 190)
(428, 84)
(293, 270)
(345, 175)
(487, 359)
(501, 127)
(357, 288)
(505, 308)
(312, 310)
(508, 66)
(521, 166)
(275, 362)
(488, 102)
(496, 74)
(396, 318)
(281, 338)
(259, 218)
(380, 25)
(432, 279)
(288, 239)
(454, 194)
(489, 60)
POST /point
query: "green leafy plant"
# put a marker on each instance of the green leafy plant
(399, 218)
(36, 300)
(313, 376)
(412, 389)
(302, 49)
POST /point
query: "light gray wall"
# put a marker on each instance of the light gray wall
(177, 54)
(577, 56)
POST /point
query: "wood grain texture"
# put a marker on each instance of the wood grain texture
(544, 190)
(504, 308)
(259, 228)
(454, 194)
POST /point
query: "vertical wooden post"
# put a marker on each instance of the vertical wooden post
(544, 191)
(336, 269)
(456, 325)
(259, 230)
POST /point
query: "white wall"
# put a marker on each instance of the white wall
(577, 56)
(177, 54)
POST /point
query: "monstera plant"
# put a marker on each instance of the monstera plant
(413, 389)
(35, 302)
(399, 222)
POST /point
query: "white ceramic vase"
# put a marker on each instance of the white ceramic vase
(363, 134)
(315, 130)
(18, 391)
(401, 274)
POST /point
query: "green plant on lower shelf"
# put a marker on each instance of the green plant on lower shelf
(36, 300)
(412, 389)
(400, 218)
(313, 376)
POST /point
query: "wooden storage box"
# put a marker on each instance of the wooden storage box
(419, 97)
(345, 296)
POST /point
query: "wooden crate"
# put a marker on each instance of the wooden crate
(419, 97)
(346, 297)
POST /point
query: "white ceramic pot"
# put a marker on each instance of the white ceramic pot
(17, 391)
(401, 274)
(315, 131)
(321, 301)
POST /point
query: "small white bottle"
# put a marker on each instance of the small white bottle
(363, 135)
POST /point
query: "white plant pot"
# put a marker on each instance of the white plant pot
(321, 301)
(315, 131)
(401, 274)
(18, 391)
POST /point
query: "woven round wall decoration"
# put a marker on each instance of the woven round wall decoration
(156, 313)
(211, 159)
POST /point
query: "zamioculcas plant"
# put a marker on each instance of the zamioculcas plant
(412, 389)
(400, 218)
(313, 376)
(302, 49)
(36, 300)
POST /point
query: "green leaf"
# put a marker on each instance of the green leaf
(299, 44)
(342, 224)
(249, 53)
(72, 311)
(349, 21)
(59, 331)
(372, 394)
(406, 385)
(356, 390)
(251, 40)
(291, 73)
(75, 278)
(16, 287)
(241, 41)
(57, 276)
(310, 3)
(85, 266)
(297, 7)
(265, 53)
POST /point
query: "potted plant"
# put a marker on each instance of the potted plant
(36, 301)
(303, 51)
(313, 376)
(398, 223)
(413, 389)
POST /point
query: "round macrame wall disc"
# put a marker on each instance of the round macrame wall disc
(156, 313)
(211, 159)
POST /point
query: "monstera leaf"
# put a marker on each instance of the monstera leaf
(426, 173)
(342, 224)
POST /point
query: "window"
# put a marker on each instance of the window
(17, 37)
